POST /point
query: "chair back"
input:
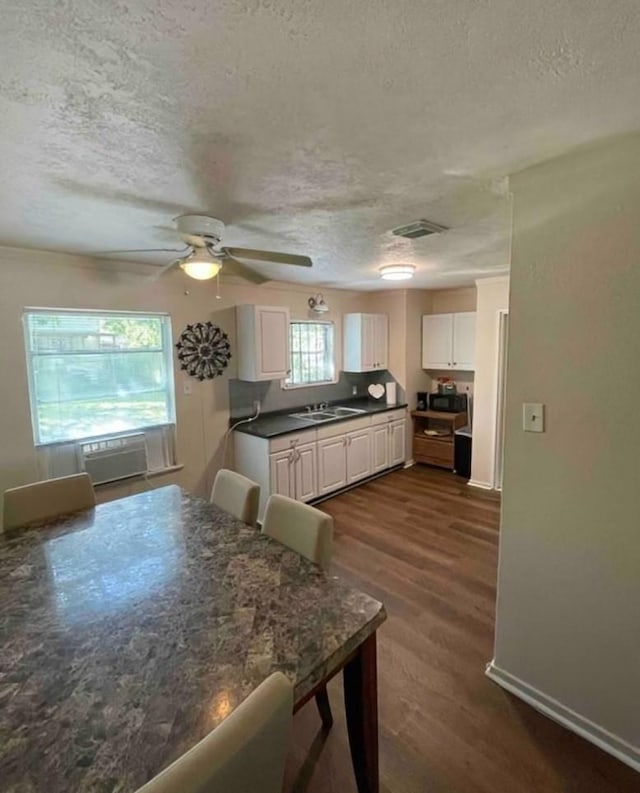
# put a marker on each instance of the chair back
(41, 501)
(236, 495)
(304, 529)
(244, 754)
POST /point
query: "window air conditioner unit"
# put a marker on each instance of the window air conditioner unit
(112, 459)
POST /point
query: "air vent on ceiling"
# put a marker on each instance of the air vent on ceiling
(419, 228)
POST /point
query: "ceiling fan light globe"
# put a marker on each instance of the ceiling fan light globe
(201, 270)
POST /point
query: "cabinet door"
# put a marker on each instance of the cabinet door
(282, 473)
(437, 347)
(332, 464)
(397, 442)
(381, 325)
(358, 455)
(368, 331)
(272, 342)
(379, 448)
(305, 472)
(464, 341)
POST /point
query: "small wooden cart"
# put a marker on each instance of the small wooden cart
(435, 449)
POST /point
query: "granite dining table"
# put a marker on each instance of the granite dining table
(129, 631)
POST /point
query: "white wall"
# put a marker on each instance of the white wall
(36, 278)
(493, 297)
(568, 612)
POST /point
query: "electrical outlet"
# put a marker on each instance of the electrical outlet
(354, 390)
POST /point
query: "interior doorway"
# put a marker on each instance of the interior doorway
(503, 345)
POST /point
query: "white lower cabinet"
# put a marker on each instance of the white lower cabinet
(332, 464)
(282, 473)
(358, 455)
(379, 448)
(397, 442)
(293, 472)
(305, 472)
(313, 463)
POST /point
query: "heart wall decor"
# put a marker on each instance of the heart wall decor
(376, 390)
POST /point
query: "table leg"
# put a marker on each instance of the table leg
(361, 704)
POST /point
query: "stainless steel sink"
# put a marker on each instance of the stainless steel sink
(346, 411)
(314, 415)
(328, 414)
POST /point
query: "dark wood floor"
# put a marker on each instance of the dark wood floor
(427, 546)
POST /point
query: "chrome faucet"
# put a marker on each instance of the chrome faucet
(323, 405)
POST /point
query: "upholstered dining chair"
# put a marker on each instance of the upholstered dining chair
(41, 501)
(236, 495)
(244, 754)
(309, 532)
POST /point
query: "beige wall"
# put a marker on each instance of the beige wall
(392, 302)
(448, 301)
(568, 617)
(493, 297)
(29, 278)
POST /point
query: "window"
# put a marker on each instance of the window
(311, 345)
(93, 373)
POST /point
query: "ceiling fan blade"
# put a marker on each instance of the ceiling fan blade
(142, 250)
(269, 256)
(231, 266)
(166, 268)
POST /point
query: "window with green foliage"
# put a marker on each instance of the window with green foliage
(311, 347)
(94, 374)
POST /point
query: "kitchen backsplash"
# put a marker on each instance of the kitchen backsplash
(272, 396)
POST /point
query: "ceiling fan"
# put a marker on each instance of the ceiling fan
(203, 256)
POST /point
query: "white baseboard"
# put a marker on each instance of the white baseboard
(481, 485)
(568, 718)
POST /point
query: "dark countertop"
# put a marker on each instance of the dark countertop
(131, 630)
(270, 425)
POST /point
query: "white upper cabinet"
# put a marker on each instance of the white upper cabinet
(464, 341)
(366, 342)
(448, 341)
(437, 340)
(263, 342)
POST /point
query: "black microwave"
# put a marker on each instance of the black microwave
(448, 403)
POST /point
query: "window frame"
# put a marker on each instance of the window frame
(305, 321)
(167, 349)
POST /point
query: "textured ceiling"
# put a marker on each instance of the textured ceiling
(307, 126)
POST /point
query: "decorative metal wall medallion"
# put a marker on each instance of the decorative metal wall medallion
(203, 350)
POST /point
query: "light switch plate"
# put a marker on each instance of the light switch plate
(187, 388)
(533, 417)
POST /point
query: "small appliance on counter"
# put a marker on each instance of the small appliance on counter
(448, 402)
(422, 402)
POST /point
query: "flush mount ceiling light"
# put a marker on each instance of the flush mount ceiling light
(397, 272)
(201, 265)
